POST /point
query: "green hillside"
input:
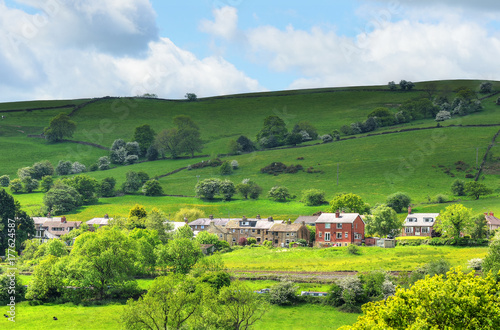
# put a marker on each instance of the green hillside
(371, 166)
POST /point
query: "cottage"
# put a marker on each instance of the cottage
(250, 227)
(204, 224)
(492, 222)
(339, 229)
(48, 228)
(96, 223)
(419, 224)
(285, 233)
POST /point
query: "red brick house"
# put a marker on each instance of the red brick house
(419, 224)
(339, 229)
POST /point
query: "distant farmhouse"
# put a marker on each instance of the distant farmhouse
(419, 224)
(48, 228)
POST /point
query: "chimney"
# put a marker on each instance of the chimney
(303, 223)
(409, 209)
(211, 216)
(270, 219)
(491, 213)
(186, 220)
(257, 217)
(244, 218)
(337, 214)
(486, 213)
(289, 221)
(63, 219)
(106, 216)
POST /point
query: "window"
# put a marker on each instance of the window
(412, 219)
(258, 231)
(339, 226)
(253, 230)
(258, 239)
(275, 241)
(327, 226)
(241, 231)
(327, 236)
(346, 235)
(234, 239)
(287, 234)
(220, 235)
(287, 241)
(293, 234)
(339, 235)
(234, 230)
(425, 230)
(202, 227)
(409, 230)
(428, 220)
(320, 234)
(357, 236)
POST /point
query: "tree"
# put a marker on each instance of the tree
(204, 237)
(152, 188)
(16, 186)
(86, 186)
(30, 184)
(132, 183)
(170, 303)
(275, 127)
(454, 220)
(392, 85)
(103, 163)
(398, 201)
(152, 153)
(144, 135)
(4, 181)
(246, 144)
(62, 198)
(41, 169)
(313, 197)
(138, 211)
(207, 188)
(485, 87)
(307, 127)
(476, 189)
(107, 187)
(248, 188)
(77, 167)
(457, 187)
(133, 148)
(157, 220)
(184, 232)
(384, 221)
(46, 183)
(348, 203)
(190, 140)
(491, 262)
(167, 142)
(63, 167)
(459, 301)
(118, 144)
(443, 115)
(283, 293)
(60, 126)
(226, 189)
(11, 287)
(24, 226)
(24, 172)
(180, 255)
(480, 227)
(279, 193)
(191, 97)
(45, 285)
(190, 214)
(293, 139)
(234, 147)
(226, 168)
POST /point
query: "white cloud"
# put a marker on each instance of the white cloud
(225, 24)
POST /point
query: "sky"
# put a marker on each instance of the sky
(64, 49)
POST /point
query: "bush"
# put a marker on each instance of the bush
(313, 197)
(279, 193)
(242, 241)
(443, 115)
(334, 297)
(103, 163)
(207, 188)
(94, 167)
(279, 168)
(475, 264)
(16, 186)
(63, 167)
(152, 153)
(133, 148)
(251, 240)
(398, 201)
(41, 169)
(234, 164)
(131, 159)
(4, 181)
(152, 188)
(117, 156)
(326, 138)
(62, 199)
(440, 198)
(77, 168)
(30, 184)
(226, 189)
(283, 293)
(458, 187)
(107, 187)
(352, 249)
(226, 168)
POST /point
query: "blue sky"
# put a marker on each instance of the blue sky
(89, 48)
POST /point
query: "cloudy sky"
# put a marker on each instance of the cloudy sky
(57, 49)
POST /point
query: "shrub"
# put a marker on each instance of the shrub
(458, 187)
(30, 184)
(226, 168)
(443, 115)
(313, 197)
(77, 168)
(440, 198)
(103, 163)
(242, 241)
(152, 153)
(373, 284)
(234, 164)
(279, 168)
(352, 249)
(131, 159)
(63, 167)
(94, 167)
(279, 193)
(226, 189)
(117, 156)
(352, 293)
(41, 169)
(283, 293)
(207, 188)
(326, 138)
(251, 240)
(107, 187)
(16, 186)
(133, 148)
(152, 188)
(475, 264)
(4, 181)
(334, 297)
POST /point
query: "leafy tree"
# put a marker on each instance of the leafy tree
(77, 168)
(144, 135)
(152, 152)
(60, 126)
(251, 240)
(204, 237)
(234, 164)
(138, 211)
(41, 169)
(103, 163)
(46, 183)
(392, 85)
(454, 220)
(152, 188)
(11, 286)
(86, 186)
(191, 97)
(233, 147)
(457, 187)
(45, 285)
(170, 303)
(491, 263)
(118, 144)
(102, 259)
(398, 201)
(335, 134)
(226, 168)
(55, 247)
(326, 138)
(4, 181)
(480, 228)
(306, 126)
(184, 232)
(246, 144)
(227, 189)
(180, 254)
(25, 172)
(132, 183)
(283, 293)
(476, 189)
(313, 197)
(157, 220)
(348, 203)
(168, 142)
(62, 198)
(190, 214)
(461, 301)
(25, 228)
(485, 87)
(248, 188)
(443, 115)
(190, 140)
(384, 221)
(133, 148)
(7, 211)
(145, 242)
(30, 184)
(293, 139)
(384, 116)
(131, 159)
(107, 187)
(207, 188)
(279, 193)
(275, 127)
(63, 167)
(16, 186)
(118, 156)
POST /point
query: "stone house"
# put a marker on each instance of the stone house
(285, 233)
(339, 229)
(492, 222)
(203, 224)
(49, 228)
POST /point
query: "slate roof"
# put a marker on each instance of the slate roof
(332, 218)
(492, 220)
(308, 219)
(286, 227)
(98, 221)
(259, 223)
(208, 222)
(420, 220)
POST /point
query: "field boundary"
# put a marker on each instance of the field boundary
(480, 170)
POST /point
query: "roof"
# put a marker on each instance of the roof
(420, 220)
(307, 219)
(259, 223)
(208, 221)
(60, 224)
(492, 220)
(286, 227)
(99, 221)
(41, 220)
(176, 224)
(343, 218)
(218, 229)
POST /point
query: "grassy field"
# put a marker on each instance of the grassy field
(337, 259)
(108, 317)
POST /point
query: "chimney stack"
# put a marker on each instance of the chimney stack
(106, 216)
(258, 217)
(337, 214)
(186, 220)
(211, 216)
(270, 219)
(63, 219)
(491, 213)
(485, 213)
(244, 218)
(409, 209)
(289, 221)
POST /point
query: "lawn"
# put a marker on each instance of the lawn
(337, 259)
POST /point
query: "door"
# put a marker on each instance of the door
(417, 231)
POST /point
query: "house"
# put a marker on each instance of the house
(202, 224)
(309, 220)
(48, 228)
(419, 224)
(492, 222)
(286, 232)
(339, 229)
(249, 227)
(98, 222)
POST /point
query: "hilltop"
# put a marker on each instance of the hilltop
(416, 157)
